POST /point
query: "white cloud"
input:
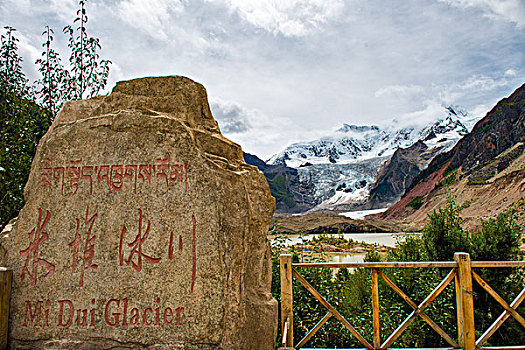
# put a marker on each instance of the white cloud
(399, 90)
(482, 83)
(507, 10)
(19, 5)
(232, 117)
(152, 17)
(257, 132)
(479, 111)
(30, 53)
(472, 88)
(116, 75)
(293, 68)
(420, 118)
(511, 73)
(65, 9)
(291, 18)
(476, 94)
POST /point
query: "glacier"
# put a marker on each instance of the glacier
(340, 169)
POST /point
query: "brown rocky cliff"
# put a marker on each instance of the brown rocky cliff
(484, 170)
(501, 128)
(397, 174)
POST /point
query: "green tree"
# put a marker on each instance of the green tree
(498, 239)
(444, 234)
(88, 74)
(85, 77)
(52, 87)
(23, 122)
(11, 74)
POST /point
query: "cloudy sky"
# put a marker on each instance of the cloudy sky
(279, 71)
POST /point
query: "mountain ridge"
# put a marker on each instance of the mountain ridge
(352, 143)
(337, 171)
(484, 171)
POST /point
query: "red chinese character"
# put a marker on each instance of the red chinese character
(194, 251)
(36, 237)
(194, 267)
(170, 247)
(136, 246)
(89, 247)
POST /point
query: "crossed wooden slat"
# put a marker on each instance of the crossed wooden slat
(510, 310)
(418, 311)
(331, 311)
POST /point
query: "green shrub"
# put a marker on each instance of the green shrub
(449, 179)
(444, 235)
(416, 203)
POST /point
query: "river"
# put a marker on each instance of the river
(385, 239)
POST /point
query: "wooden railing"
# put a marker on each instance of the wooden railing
(6, 279)
(461, 272)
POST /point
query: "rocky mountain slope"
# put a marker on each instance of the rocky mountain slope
(398, 172)
(338, 171)
(290, 195)
(485, 171)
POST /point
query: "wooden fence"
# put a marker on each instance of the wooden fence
(6, 279)
(461, 272)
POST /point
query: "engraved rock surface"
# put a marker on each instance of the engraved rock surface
(143, 228)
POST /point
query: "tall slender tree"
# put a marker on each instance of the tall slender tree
(84, 77)
(50, 87)
(88, 74)
(11, 74)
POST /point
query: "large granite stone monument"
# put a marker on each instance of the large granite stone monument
(143, 228)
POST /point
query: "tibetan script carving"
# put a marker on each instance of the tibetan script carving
(114, 177)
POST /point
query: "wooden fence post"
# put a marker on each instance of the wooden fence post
(465, 302)
(286, 299)
(375, 309)
(6, 279)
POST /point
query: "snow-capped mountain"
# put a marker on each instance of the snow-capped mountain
(340, 169)
(346, 145)
(444, 133)
(353, 143)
